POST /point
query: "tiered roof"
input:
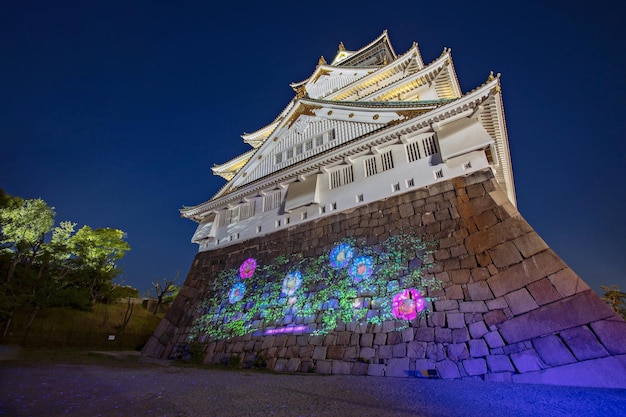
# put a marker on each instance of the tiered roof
(358, 94)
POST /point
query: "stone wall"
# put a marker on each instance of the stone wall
(510, 308)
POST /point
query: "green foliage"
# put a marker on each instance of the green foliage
(616, 298)
(124, 291)
(42, 265)
(398, 263)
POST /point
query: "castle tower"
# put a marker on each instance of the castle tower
(376, 150)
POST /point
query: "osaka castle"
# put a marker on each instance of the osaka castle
(365, 126)
(372, 229)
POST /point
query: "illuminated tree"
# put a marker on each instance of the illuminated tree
(43, 265)
(616, 298)
(165, 291)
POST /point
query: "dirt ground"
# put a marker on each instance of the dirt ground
(126, 384)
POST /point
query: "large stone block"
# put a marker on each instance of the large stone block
(583, 343)
(479, 291)
(478, 329)
(398, 367)
(609, 372)
(457, 351)
(473, 307)
(612, 334)
(505, 254)
(456, 320)
(527, 361)
(416, 349)
(524, 273)
(520, 301)
(543, 292)
(499, 363)
(447, 369)
(478, 348)
(530, 244)
(341, 368)
(475, 366)
(376, 369)
(552, 351)
(574, 311)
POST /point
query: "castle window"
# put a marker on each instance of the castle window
(429, 145)
(308, 145)
(247, 210)
(303, 215)
(387, 161)
(341, 176)
(289, 153)
(258, 229)
(413, 151)
(319, 141)
(233, 215)
(410, 183)
(370, 166)
(359, 198)
(438, 174)
(395, 187)
(272, 201)
(278, 158)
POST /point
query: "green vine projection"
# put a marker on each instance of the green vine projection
(352, 282)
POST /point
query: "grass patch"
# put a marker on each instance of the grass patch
(100, 328)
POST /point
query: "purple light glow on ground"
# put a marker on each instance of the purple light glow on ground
(290, 329)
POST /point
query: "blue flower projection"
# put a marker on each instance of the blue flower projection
(236, 292)
(341, 255)
(291, 283)
(361, 268)
(347, 283)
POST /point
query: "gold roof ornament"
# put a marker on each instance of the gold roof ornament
(491, 77)
(341, 47)
(301, 93)
(322, 61)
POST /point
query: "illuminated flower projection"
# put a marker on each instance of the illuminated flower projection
(236, 292)
(349, 283)
(340, 255)
(247, 268)
(291, 283)
(407, 303)
(361, 268)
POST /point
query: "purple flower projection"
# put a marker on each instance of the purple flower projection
(361, 268)
(236, 292)
(291, 283)
(407, 304)
(247, 268)
(341, 255)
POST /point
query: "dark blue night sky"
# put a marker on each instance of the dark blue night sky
(114, 112)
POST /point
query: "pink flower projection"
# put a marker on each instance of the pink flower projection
(407, 304)
(247, 268)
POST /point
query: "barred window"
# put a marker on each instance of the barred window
(387, 161)
(342, 176)
(272, 201)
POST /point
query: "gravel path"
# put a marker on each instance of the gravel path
(94, 385)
